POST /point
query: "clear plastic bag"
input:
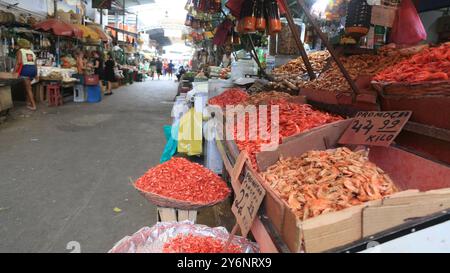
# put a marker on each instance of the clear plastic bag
(152, 239)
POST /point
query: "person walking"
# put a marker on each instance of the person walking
(170, 68)
(110, 76)
(164, 71)
(180, 73)
(153, 68)
(26, 68)
(159, 67)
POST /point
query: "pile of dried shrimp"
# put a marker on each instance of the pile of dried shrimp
(319, 182)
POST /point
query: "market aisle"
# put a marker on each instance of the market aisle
(64, 170)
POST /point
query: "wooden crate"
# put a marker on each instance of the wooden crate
(425, 185)
(175, 215)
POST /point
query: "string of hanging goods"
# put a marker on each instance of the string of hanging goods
(259, 15)
(358, 18)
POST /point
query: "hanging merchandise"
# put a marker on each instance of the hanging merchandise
(358, 19)
(274, 16)
(236, 39)
(260, 13)
(408, 28)
(222, 32)
(235, 6)
(248, 16)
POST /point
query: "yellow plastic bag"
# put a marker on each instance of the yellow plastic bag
(190, 133)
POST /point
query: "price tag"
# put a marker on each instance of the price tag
(247, 203)
(375, 128)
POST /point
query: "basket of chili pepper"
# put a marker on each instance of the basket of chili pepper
(181, 184)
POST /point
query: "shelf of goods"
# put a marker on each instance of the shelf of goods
(401, 186)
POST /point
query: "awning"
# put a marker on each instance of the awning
(59, 28)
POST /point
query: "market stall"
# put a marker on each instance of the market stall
(335, 181)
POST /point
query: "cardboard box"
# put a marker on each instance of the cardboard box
(63, 16)
(425, 189)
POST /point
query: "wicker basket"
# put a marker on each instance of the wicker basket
(166, 202)
(431, 88)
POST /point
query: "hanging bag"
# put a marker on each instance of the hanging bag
(408, 28)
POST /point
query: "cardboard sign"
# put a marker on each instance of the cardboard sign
(247, 203)
(383, 16)
(238, 165)
(375, 128)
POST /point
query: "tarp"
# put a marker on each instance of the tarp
(59, 28)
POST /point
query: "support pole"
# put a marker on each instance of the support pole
(55, 8)
(255, 56)
(324, 39)
(299, 43)
(123, 18)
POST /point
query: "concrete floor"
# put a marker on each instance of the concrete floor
(64, 170)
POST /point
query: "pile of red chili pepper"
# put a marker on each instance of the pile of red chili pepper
(183, 180)
(232, 96)
(198, 244)
(431, 64)
(294, 118)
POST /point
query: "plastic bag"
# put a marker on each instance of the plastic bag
(171, 146)
(408, 28)
(190, 133)
(152, 239)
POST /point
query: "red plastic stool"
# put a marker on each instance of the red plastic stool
(54, 94)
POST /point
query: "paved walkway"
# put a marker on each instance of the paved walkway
(64, 170)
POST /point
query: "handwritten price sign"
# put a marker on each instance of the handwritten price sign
(375, 128)
(247, 202)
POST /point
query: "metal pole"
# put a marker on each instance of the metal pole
(299, 42)
(55, 7)
(255, 57)
(330, 49)
(123, 23)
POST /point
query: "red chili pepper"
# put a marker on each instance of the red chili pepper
(198, 244)
(183, 180)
